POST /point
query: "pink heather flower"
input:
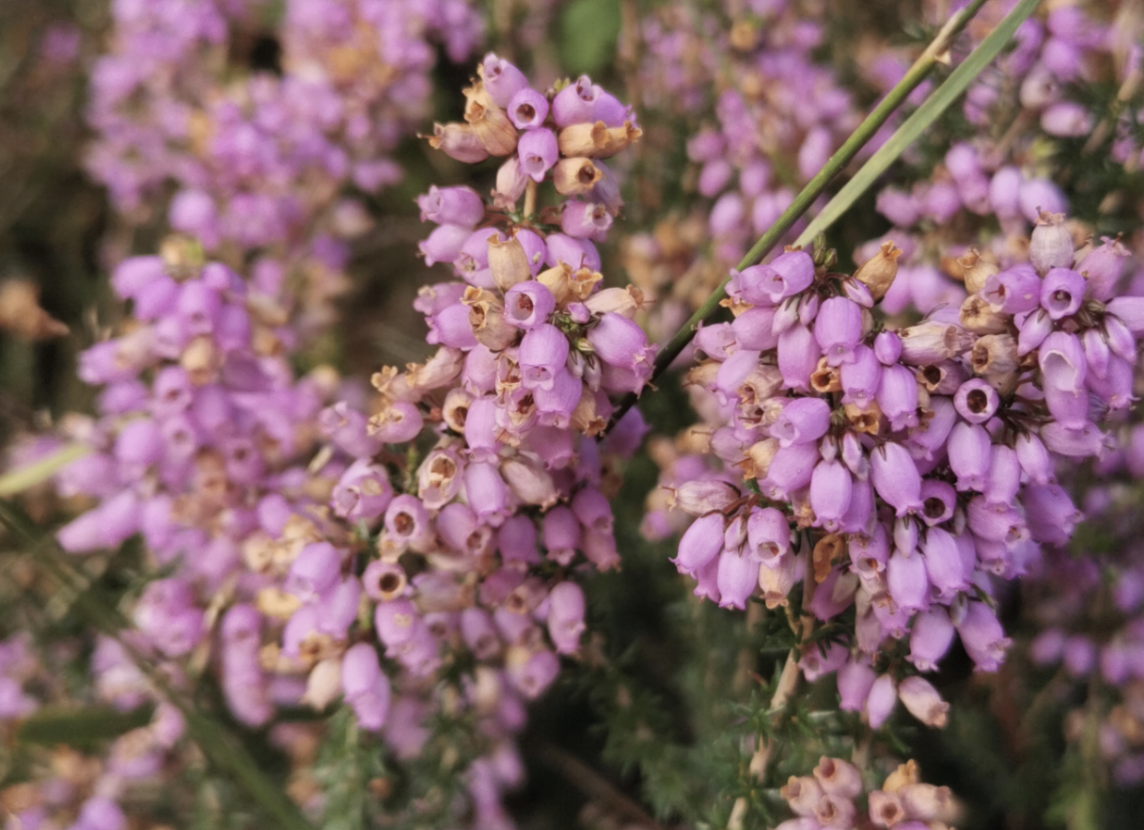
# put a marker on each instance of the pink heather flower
(576, 253)
(801, 421)
(460, 206)
(502, 79)
(895, 476)
(528, 304)
(930, 638)
(737, 577)
(838, 328)
(898, 397)
(798, 357)
(1013, 291)
(537, 151)
(366, 689)
(862, 378)
(535, 673)
(444, 243)
(316, 569)
(543, 352)
(830, 491)
(1102, 268)
(754, 329)
(1062, 292)
(976, 401)
(566, 617)
(585, 220)
(907, 581)
(1062, 361)
(791, 469)
(855, 680)
(923, 702)
(527, 109)
(881, 701)
(700, 544)
(982, 636)
(1034, 458)
(969, 455)
(619, 341)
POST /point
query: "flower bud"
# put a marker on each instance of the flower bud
(458, 141)
(923, 701)
(597, 140)
(508, 262)
(1051, 245)
(576, 176)
(878, 272)
(490, 123)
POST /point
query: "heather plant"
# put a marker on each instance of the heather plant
(849, 547)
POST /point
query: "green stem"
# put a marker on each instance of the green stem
(40, 471)
(223, 749)
(917, 73)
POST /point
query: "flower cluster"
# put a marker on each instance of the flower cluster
(779, 113)
(1005, 176)
(898, 469)
(200, 447)
(477, 478)
(263, 162)
(828, 799)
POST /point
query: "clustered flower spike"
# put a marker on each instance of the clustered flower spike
(826, 799)
(899, 470)
(508, 500)
(200, 448)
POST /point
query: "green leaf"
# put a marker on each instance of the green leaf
(80, 727)
(588, 32)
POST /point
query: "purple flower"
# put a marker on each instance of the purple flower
(502, 79)
(830, 491)
(930, 638)
(737, 578)
(700, 544)
(862, 379)
(619, 341)
(800, 421)
(576, 103)
(444, 243)
(566, 616)
(1062, 362)
(976, 401)
(543, 352)
(838, 328)
(798, 357)
(982, 636)
(460, 206)
(537, 151)
(1062, 292)
(585, 220)
(528, 304)
(1015, 290)
(366, 688)
(527, 109)
(898, 397)
(895, 477)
